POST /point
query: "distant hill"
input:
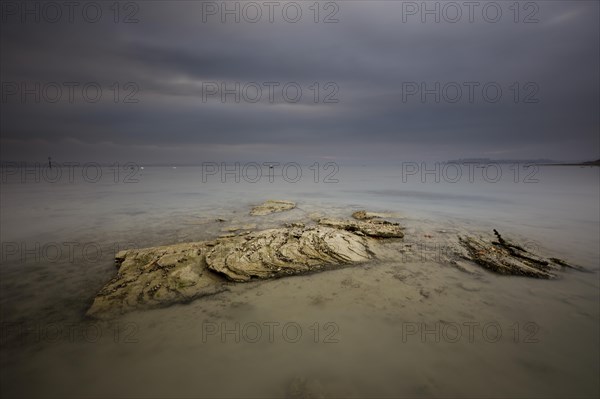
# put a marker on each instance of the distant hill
(499, 161)
(588, 163)
(596, 162)
(525, 161)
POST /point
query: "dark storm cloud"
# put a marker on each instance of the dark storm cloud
(370, 54)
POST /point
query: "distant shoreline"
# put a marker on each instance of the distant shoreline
(590, 164)
(538, 162)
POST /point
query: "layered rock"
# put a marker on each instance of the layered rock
(285, 251)
(159, 276)
(376, 228)
(507, 258)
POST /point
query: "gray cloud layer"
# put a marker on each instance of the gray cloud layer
(172, 55)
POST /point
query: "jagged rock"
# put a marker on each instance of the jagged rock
(563, 263)
(272, 206)
(286, 251)
(507, 258)
(154, 277)
(373, 228)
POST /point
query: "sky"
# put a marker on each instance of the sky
(348, 81)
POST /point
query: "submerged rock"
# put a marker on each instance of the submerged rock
(236, 228)
(364, 215)
(504, 257)
(367, 215)
(286, 251)
(161, 276)
(272, 206)
(154, 277)
(375, 228)
(305, 388)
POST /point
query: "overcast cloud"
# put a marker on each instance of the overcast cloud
(371, 59)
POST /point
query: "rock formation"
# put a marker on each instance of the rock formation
(272, 206)
(364, 215)
(161, 276)
(376, 228)
(286, 251)
(503, 257)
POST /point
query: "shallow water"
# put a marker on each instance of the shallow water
(393, 329)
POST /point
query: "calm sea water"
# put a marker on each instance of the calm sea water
(387, 330)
